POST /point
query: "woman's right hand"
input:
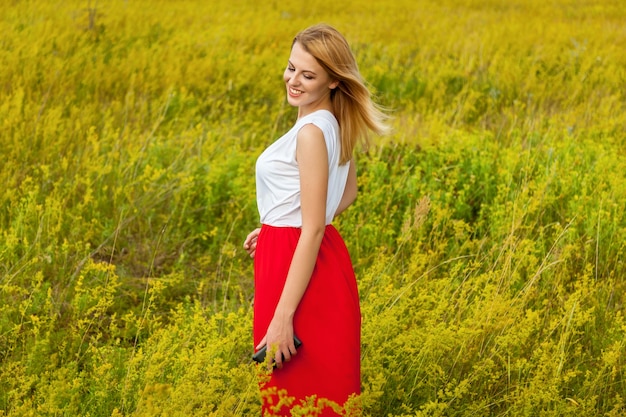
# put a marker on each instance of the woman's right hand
(250, 243)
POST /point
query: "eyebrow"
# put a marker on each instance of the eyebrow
(309, 71)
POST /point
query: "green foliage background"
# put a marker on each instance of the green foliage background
(488, 237)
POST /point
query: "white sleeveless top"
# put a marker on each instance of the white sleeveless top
(278, 177)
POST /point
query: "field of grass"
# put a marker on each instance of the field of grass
(488, 237)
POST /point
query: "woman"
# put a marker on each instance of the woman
(304, 280)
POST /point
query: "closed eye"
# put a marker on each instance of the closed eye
(307, 74)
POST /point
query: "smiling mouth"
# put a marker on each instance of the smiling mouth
(294, 92)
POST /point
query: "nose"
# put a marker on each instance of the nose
(292, 78)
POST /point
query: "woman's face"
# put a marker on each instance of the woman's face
(308, 84)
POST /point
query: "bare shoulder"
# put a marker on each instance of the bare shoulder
(310, 133)
(310, 144)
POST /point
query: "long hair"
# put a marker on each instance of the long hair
(352, 102)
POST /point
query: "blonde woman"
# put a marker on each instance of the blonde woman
(304, 280)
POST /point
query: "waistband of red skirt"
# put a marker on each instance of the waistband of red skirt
(268, 226)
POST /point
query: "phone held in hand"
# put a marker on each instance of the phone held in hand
(260, 355)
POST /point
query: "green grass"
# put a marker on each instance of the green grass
(488, 236)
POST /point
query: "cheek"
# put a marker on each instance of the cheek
(286, 76)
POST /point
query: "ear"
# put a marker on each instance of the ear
(333, 85)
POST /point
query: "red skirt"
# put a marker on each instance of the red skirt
(327, 321)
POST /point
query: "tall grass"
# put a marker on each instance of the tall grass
(488, 237)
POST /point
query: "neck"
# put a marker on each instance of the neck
(304, 111)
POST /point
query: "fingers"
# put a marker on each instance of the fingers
(284, 354)
(280, 342)
(261, 343)
(251, 238)
(250, 243)
(281, 354)
(280, 357)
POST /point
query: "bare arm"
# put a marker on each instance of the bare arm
(349, 194)
(312, 157)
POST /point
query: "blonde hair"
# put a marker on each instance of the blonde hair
(352, 102)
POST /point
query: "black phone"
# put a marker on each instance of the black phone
(260, 355)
